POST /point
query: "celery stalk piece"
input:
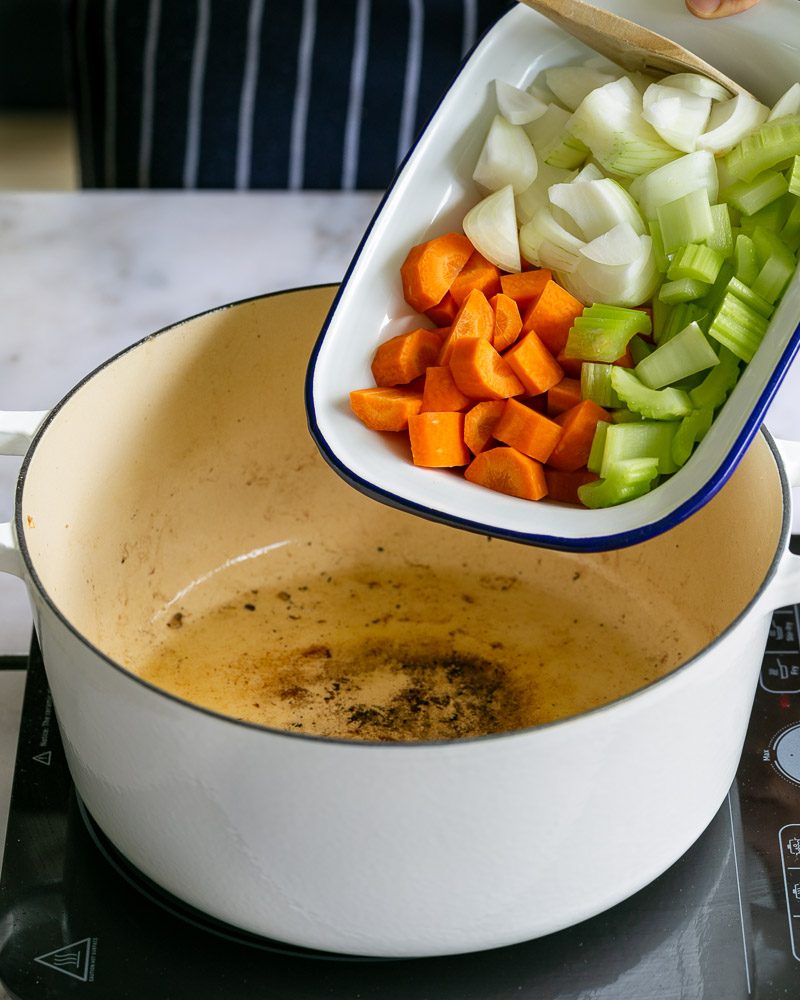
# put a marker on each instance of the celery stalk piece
(639, 348)
(662, 260)
(772, 279)
(697, 262)
(689, 173)
(746, 259)
(766, 147)
(656, 404)
(751, 298)
(595, 459)
(681, 315)
(601, 332)
(646, 439)
(685, 220)
(685, 354)
(713, 390)
(771, 217)
(661, 315)
(738, 327)
(682, 290)
(721, 239)
(790, 234)
(596, 384)
(692, 429)
(793, 176)
(625, 416)
(626, 480)
(751, 196)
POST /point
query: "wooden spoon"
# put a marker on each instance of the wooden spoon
(626, 43)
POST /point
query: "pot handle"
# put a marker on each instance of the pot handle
(17, 430)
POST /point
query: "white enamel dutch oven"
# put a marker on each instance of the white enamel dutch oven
(182, 472)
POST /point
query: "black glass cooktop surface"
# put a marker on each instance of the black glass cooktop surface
(723, 923)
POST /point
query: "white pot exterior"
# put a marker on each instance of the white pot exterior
(404, 850)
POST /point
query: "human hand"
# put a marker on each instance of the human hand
(718, 8)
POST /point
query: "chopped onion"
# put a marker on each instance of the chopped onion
(589, 172)
(518, 106)
(546, 243)
(597, 206)
(684, 175)
(535, 196)
(678, 116)
(730, 122)
(571, 84)
(697, 84)
(623, 284)
(507, 157)
(609, 121)
(544, 131)
(787, 105)
(491, 227)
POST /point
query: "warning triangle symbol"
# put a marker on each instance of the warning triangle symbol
(71, 959)
(44, 757)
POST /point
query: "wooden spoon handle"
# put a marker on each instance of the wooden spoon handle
(626, 43)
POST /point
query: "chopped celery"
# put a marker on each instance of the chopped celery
(646, 439)
(721, 239)
(751, 196)
(639, 348)
(602, 333)
(713, 390)
(681, 315)
(751, 298)
(738, 327)
(596, 384)
(692, 428)
(768, 146)
(685, 220)
(772, 217)
(793, 176)
(626, 480)
(595, 459)
(682, 290)
(773, 278)
(746, 259)
(657, 404)
(697, 262)
(684, 354)
(790, 234)
(662, 261)
(625, 416)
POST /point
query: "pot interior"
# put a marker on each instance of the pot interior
(178, 515)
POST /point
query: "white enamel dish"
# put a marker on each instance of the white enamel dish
(431, 194)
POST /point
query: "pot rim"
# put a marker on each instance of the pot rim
(399, 745)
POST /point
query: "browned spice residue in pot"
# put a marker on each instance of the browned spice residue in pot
(403, 653)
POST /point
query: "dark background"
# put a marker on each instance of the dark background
(32, 69)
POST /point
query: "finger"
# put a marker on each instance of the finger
(718, 8)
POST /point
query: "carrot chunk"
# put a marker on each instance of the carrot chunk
(507, 470)
(475, 318)
(570, 366)
(479, 423)
(479, 273)
(526, 286)
(480, 372)
(444, 312)
(562, 484)
(507, 321)
(430, 267)
(403, 358)
(441, 392)
(577, 431)
(551, 316)
(383, 409)
(526, 430)
(563, 395)
(437, 440)
(533, 364)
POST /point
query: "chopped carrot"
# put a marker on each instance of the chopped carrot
(430, 267)
(577, 431)
(441, 392)
(533, 364)
(551, 316)
(562, 484)
(444, 312)
(563, 395)
(383, 409)
(437, 440)
(526, 430)
(479, 423)
(475, 318)
(507, 321)
(526, 286)
(570, 366)
(478, 272)
(481, 372)
(507, 470)
(405, 357)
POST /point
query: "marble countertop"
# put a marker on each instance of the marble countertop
(85, 274)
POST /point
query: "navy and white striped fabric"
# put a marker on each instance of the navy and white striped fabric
(314, 94)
